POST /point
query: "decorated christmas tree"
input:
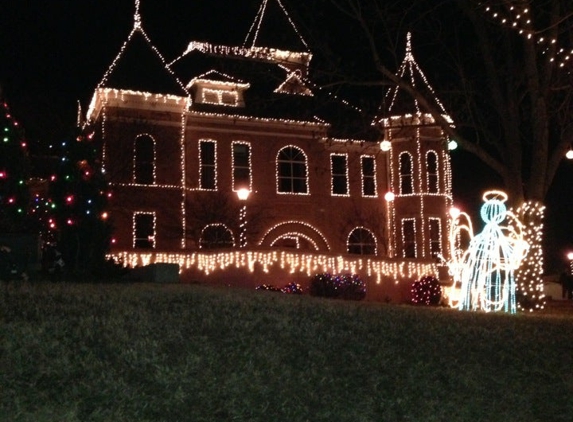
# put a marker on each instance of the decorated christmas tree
(14, 174)
(78, 195)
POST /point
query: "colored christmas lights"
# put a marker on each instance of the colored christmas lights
(15, 212)
(78, 196)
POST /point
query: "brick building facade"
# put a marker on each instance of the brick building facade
(327, 191)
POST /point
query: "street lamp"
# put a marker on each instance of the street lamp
(243, 195)
(385, 145)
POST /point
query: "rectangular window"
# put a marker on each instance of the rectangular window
(144, 230)
(144, 160)
(207, 165)
(241, 166)
(339, 170)
(409, 238)
(220, 97)
(229, 98)
(368, 166)
(210, 96)
(435, 236)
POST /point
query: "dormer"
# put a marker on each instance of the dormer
(216, 88)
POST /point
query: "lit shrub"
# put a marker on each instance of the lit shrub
(426, 291)
(342, 286)
(290, 288)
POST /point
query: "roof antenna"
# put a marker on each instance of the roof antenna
(137, 16)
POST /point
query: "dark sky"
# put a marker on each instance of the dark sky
(53, 54)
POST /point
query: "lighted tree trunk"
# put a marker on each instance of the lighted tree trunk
(528, 277)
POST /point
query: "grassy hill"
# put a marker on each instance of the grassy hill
(142, 352)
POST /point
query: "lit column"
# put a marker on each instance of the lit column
(570, 258)
(243, 195)
(389, 197)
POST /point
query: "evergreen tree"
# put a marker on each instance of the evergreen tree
(14, 174)
(79, 192)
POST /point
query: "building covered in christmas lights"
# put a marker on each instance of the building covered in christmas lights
(327, 187)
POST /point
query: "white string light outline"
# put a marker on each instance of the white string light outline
(259, 20)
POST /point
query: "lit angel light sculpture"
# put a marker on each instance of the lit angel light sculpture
(487, 271)
(460, 234)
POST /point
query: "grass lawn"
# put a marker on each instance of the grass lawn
(143, 352)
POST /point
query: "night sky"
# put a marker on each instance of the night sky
(53, 54)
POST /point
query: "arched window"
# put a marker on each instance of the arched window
(144, 160)
(295, 241)
(292, 176)
(216, 236)
(406, 186)
(432, 171)
(361, 241)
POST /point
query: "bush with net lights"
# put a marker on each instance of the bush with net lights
(341, 286)
(426, 291)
